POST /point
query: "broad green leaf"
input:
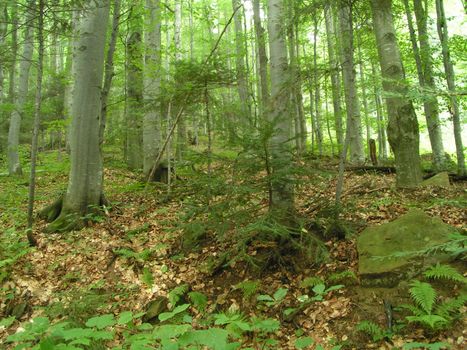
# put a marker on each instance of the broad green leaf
(168, 315)
(302, 343)
(7, 322)
(319, 289)
(101, 322)
(280, 294)
(264, 297)
(125, 317)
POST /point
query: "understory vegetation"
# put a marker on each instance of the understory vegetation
(191, 268)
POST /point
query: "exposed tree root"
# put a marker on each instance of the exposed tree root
(64, 221)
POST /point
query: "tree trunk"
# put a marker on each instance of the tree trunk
(85, 184)
(282, 199)
(424, 64)
(181, 126)
(37, 118)
(263, 60)
(109, 67)
(335, 75)
(242, 84)
(318, 127)
(364, 95)
(382, 146)
(3, 31)
(450, 79)
(14, 166)
(134, 90)
(403, 125)
(152, 83)
(352, 101)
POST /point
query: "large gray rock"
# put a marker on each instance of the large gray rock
(387, 253)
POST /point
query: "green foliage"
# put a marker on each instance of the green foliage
(424, 311)
(275, 299)
(372, 329)
(423, 294)
(346, 275)
(310, 282)
(199, 300)
(304, 342)
(147, 277)
(177, 294)
(427, 346)
(444, 272)
(249, 288)
(13, 248)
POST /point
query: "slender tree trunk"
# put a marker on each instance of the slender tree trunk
(242, 84)
(37, 119)
(352, 101)
(282, 205)
(181, 126)
(403, 125)
(85, 185)
(335, 76)
(14, 166)
(364, 95)
(318, 126)
(109, 67)
(424, 64)
(3, 31)
(134, 115)
(152, 83)
(451, 81)
(382, 149)
(263, 60)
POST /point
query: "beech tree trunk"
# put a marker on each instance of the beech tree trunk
(152, 82)
(451, 81)
(85, 185)
(134, 115)
(262, 57)
(14, 166)
(424, 64)
(352, 101)
(3, 30)
(181, 126)
(282, 196)
(403, 125)
(242, 85)
(335, 74)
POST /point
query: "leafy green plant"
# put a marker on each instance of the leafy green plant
(199, 301)
(372, 329)
(147, 277)
(310, 282)
(346, 275)
(446, 272)
(426, 313)
(177, 294)
(248, 288)
(275, 299)
(427, 346)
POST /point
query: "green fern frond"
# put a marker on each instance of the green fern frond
(372, 329)
(310, 282)
(413, 309)
(444, 272)
(249, 288)
(340, 276)
(176, 294)
(450, 307)
(429, 320)
(423, 294)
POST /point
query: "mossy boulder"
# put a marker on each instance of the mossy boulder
(392, 252)
(439, 180)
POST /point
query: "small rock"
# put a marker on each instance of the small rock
(439, 180)
(154, 308)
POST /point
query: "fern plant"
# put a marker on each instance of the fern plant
(425, 312)
(372, 329)
(446, 272)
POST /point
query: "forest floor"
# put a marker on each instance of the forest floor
(125, 258)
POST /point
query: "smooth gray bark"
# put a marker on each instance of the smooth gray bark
(3, 30)
(352, 100)
(14, 166)
(242, 83)
(382, 142)
(424, 65)
(316, 84)
(282, 196)
(403, 125)
(451, 81)
(152, 81)
(335, 74)
(134, 80)
(85, 184)
(262, 57)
